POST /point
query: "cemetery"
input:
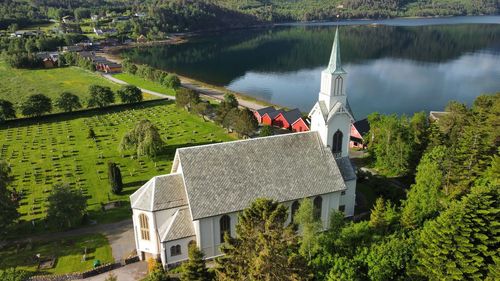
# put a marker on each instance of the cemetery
(60, 256)
(58, 150)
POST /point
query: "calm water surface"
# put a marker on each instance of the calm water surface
(395, 66)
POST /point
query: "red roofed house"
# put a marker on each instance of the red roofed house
(300, 125)
(268, 118)
(358, 130)
(259, 113)
(286, 119)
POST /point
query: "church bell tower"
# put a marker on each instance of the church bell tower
(330, 116)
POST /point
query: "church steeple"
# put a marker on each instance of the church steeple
(335, 64)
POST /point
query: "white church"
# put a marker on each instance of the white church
(209, 185)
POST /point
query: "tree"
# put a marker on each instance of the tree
(195, 269)
(144, 138)
(8, 207)
(7, 110)
(115, 178)
(171, 81)
(263, 249)
(100, 96)
(156, 272)
(186, 98)
(424, 198)
(462, 243)
(68, 102)
(230, 100)
(91, 134)
(309, 227)
(377, 216)
(66, 206)
(390, 259)
(266, 131)
(13, 274)
(203, 109)
(130, 94)
(36, 105)
(246, 123)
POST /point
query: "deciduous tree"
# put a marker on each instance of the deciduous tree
(144, 138)
(7, 110)
(66, 206)
(246, 124)
(100, 96)
(36, 105)
(309, 228)
(130, 94)
(8, 207)
(68, 102)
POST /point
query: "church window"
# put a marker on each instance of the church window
(337, 143)
(144, 224)
(318, 202)
(339, 83)
(342, 193)
(225, 227)
(175, 250)
(295, 208)
(342, 208)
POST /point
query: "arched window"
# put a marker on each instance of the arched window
(337, 143)
(318, 202)
(144, 225)
(225, 226)
(175, 250)
(295, 208)
(339, 84)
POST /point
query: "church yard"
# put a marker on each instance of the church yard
(59, 151)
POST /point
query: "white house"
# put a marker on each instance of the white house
(208, 185)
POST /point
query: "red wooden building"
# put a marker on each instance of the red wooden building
(286, 119)
(358, 131)
(301, 125)
(259, 113)
(268, 118)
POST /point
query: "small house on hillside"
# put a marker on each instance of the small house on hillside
(286, 119)
(49, 59)
(358, 131)
(268, 118)
(301, 125)
(259, 113)
(142, 39)
(110, 67)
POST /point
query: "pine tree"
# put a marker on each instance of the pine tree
(462, 243)
(195, 269)
(115, 178)
(264, 249)
(377, 216)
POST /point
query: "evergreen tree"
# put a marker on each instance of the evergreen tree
(264, 249)
(378, 216)
(91, 134)
(390, 259)
(115, 178)
(266, 131)
(195, 269)
(463, 242)
(424, 198)
(8, 207)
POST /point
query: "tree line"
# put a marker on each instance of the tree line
(39, 104)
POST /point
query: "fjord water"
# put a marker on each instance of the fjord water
(394, 66)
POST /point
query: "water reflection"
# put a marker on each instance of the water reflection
(392, 69)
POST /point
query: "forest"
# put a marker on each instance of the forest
(181, 16)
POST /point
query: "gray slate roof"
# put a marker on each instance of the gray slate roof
(227, 177)
(160, 193)
(292, 115)
(265, 110)
(181, 227)
(346, 168)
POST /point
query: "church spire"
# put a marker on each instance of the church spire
(335, 65)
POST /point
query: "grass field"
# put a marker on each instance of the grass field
(68, 253)
(144, 84)
(58, 151)
(15, 84)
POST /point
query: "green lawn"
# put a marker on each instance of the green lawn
(144, 84)
(68, 253)
(15, 84)
(58, 151)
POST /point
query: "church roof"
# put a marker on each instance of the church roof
(227, 177)
(160, 193)
(180, 227)
(346, 168)
(335, 64)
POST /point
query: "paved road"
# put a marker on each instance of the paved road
(131, 272)
(189, 84)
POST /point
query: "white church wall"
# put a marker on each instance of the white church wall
(150, 246)
(349, 199)
(210, 238)
(184, 243)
